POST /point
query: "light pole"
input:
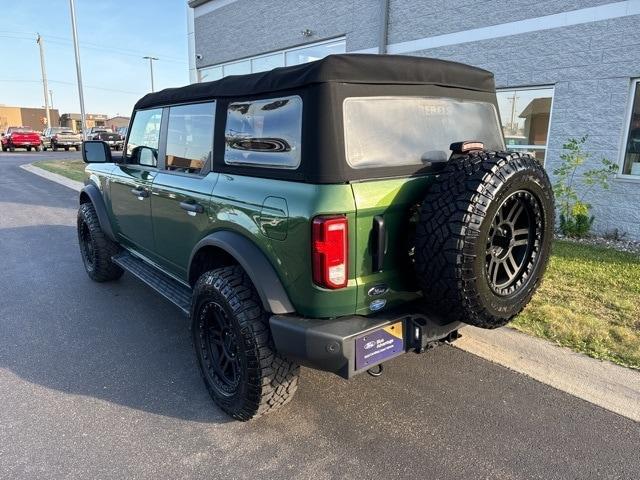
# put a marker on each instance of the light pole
(51, 98)
(151, 59)
(45, 86)
(74, 30)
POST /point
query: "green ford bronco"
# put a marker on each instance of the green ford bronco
(334, 215)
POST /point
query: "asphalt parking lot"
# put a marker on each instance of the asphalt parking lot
(100, 381)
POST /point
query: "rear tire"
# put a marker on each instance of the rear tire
(243, 373)
(28, 149)
(484, 237)
(96, 248)
(66, 149)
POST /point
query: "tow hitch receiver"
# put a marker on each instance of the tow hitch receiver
(424, 333)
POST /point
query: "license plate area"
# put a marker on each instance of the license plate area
(379, 345)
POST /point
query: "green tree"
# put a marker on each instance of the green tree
(575, 218)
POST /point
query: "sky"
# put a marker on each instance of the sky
(113, 37)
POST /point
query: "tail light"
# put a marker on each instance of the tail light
(329, 243)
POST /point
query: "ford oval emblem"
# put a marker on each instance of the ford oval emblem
(378, 290)
(377, 304)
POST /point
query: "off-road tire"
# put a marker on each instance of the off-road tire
(97, 249)
(456, 228)
(266, 381)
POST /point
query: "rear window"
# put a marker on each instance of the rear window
(264, 133)
(400, 131)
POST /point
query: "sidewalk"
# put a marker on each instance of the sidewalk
(602, 383)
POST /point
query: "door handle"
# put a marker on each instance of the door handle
(140, 193)
(192, 207)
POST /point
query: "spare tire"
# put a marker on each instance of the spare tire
(483, 238)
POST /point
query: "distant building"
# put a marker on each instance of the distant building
(35, 118)
(73, 120)
(117, 122)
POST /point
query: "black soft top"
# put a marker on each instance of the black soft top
(344, 68)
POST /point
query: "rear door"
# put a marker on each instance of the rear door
(131, 180)
(182, 189)
(390, 131)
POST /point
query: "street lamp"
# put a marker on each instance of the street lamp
(151, 59)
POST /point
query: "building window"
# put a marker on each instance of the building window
(264, 133)
(525, 115)
(631, 165)
(261, 63)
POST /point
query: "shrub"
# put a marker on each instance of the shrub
(575, 217)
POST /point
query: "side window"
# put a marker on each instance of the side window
(142, 146)
(264, 133)
(190, 137)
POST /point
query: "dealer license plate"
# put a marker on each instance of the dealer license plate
(379, 345)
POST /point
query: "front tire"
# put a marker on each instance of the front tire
(243, 373)
(484, 237)
(96, 248)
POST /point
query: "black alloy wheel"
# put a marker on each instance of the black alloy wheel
(513, 243)
(219, 348)
(86, 245)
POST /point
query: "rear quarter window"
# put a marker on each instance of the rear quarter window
(400, 131)
(264, 133)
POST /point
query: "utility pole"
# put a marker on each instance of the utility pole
(45, 86)
(151, 59)
(74, 30)
(513, 99)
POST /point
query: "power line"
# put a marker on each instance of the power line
(88, 45)
(16, 80)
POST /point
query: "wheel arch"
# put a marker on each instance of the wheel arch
(228, 247)
(90, 193)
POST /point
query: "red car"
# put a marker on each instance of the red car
(21, 137)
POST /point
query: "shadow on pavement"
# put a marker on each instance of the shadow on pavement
(117, 341)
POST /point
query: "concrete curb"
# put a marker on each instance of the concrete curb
(54, 177)
(602, 383)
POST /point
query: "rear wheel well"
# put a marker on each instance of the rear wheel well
(209, 258)
(84, 198)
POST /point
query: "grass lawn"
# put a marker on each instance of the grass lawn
(590, 302)
(73, 169)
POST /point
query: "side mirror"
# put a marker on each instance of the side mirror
(96, 151)
(147, 156)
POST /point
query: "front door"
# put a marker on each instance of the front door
(131, 181)
(182, 189)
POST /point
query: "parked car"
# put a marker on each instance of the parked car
(334, 214)
(60, 137)
(20, 137)
(122, 131)
(106, 135)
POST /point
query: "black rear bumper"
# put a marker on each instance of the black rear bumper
(330, 344)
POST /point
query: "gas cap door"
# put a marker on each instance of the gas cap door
(274, 218)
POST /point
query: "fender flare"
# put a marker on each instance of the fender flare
(95, 196)
(264, 278)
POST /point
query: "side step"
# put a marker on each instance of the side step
(174, 291)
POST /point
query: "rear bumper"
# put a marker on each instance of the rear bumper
(332, 345)
(23, 143)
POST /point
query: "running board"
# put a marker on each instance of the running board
(171, 289)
